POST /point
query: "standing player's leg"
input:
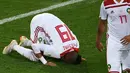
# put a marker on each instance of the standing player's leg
(113, 56)
(126, 60)
(21, 50)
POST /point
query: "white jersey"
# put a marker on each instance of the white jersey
(54, 32)
(118, 17)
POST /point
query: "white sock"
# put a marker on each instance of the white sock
(28, 53)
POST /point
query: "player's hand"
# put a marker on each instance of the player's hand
(125, 40)
(99, 46)
(50, 64)
(83, 59)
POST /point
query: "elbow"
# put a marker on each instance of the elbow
(35, 49)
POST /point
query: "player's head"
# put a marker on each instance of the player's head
(72, 58)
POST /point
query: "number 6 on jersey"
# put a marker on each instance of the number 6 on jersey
(65, 35)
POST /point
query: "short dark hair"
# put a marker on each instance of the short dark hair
(72, 57)
(78, 59)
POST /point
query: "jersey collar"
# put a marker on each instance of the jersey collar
(118, 2)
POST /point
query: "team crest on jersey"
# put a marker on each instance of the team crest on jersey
(128, 10)
(109, 67)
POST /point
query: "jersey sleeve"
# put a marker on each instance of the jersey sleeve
(103, 13)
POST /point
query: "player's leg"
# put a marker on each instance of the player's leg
(113, 61)
(126, 60)
(21, 50)
(28, 53)
(113, 56)
(24, 41)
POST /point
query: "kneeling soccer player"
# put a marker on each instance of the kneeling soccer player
(50, 37)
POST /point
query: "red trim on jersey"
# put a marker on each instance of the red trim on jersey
(127, 1)
(71, 49)
(32, 40)
(108, 2)
(116, 6)
(36, 35)
(37, 30)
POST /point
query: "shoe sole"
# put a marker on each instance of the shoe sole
(7, 47)
(4, 51)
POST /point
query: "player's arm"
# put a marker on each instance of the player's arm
(40, 56)
(101, 30)
(101, 26)
(43, 60)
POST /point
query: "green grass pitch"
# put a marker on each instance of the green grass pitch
(82, 19)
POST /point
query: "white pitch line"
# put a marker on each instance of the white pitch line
(5, 20)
